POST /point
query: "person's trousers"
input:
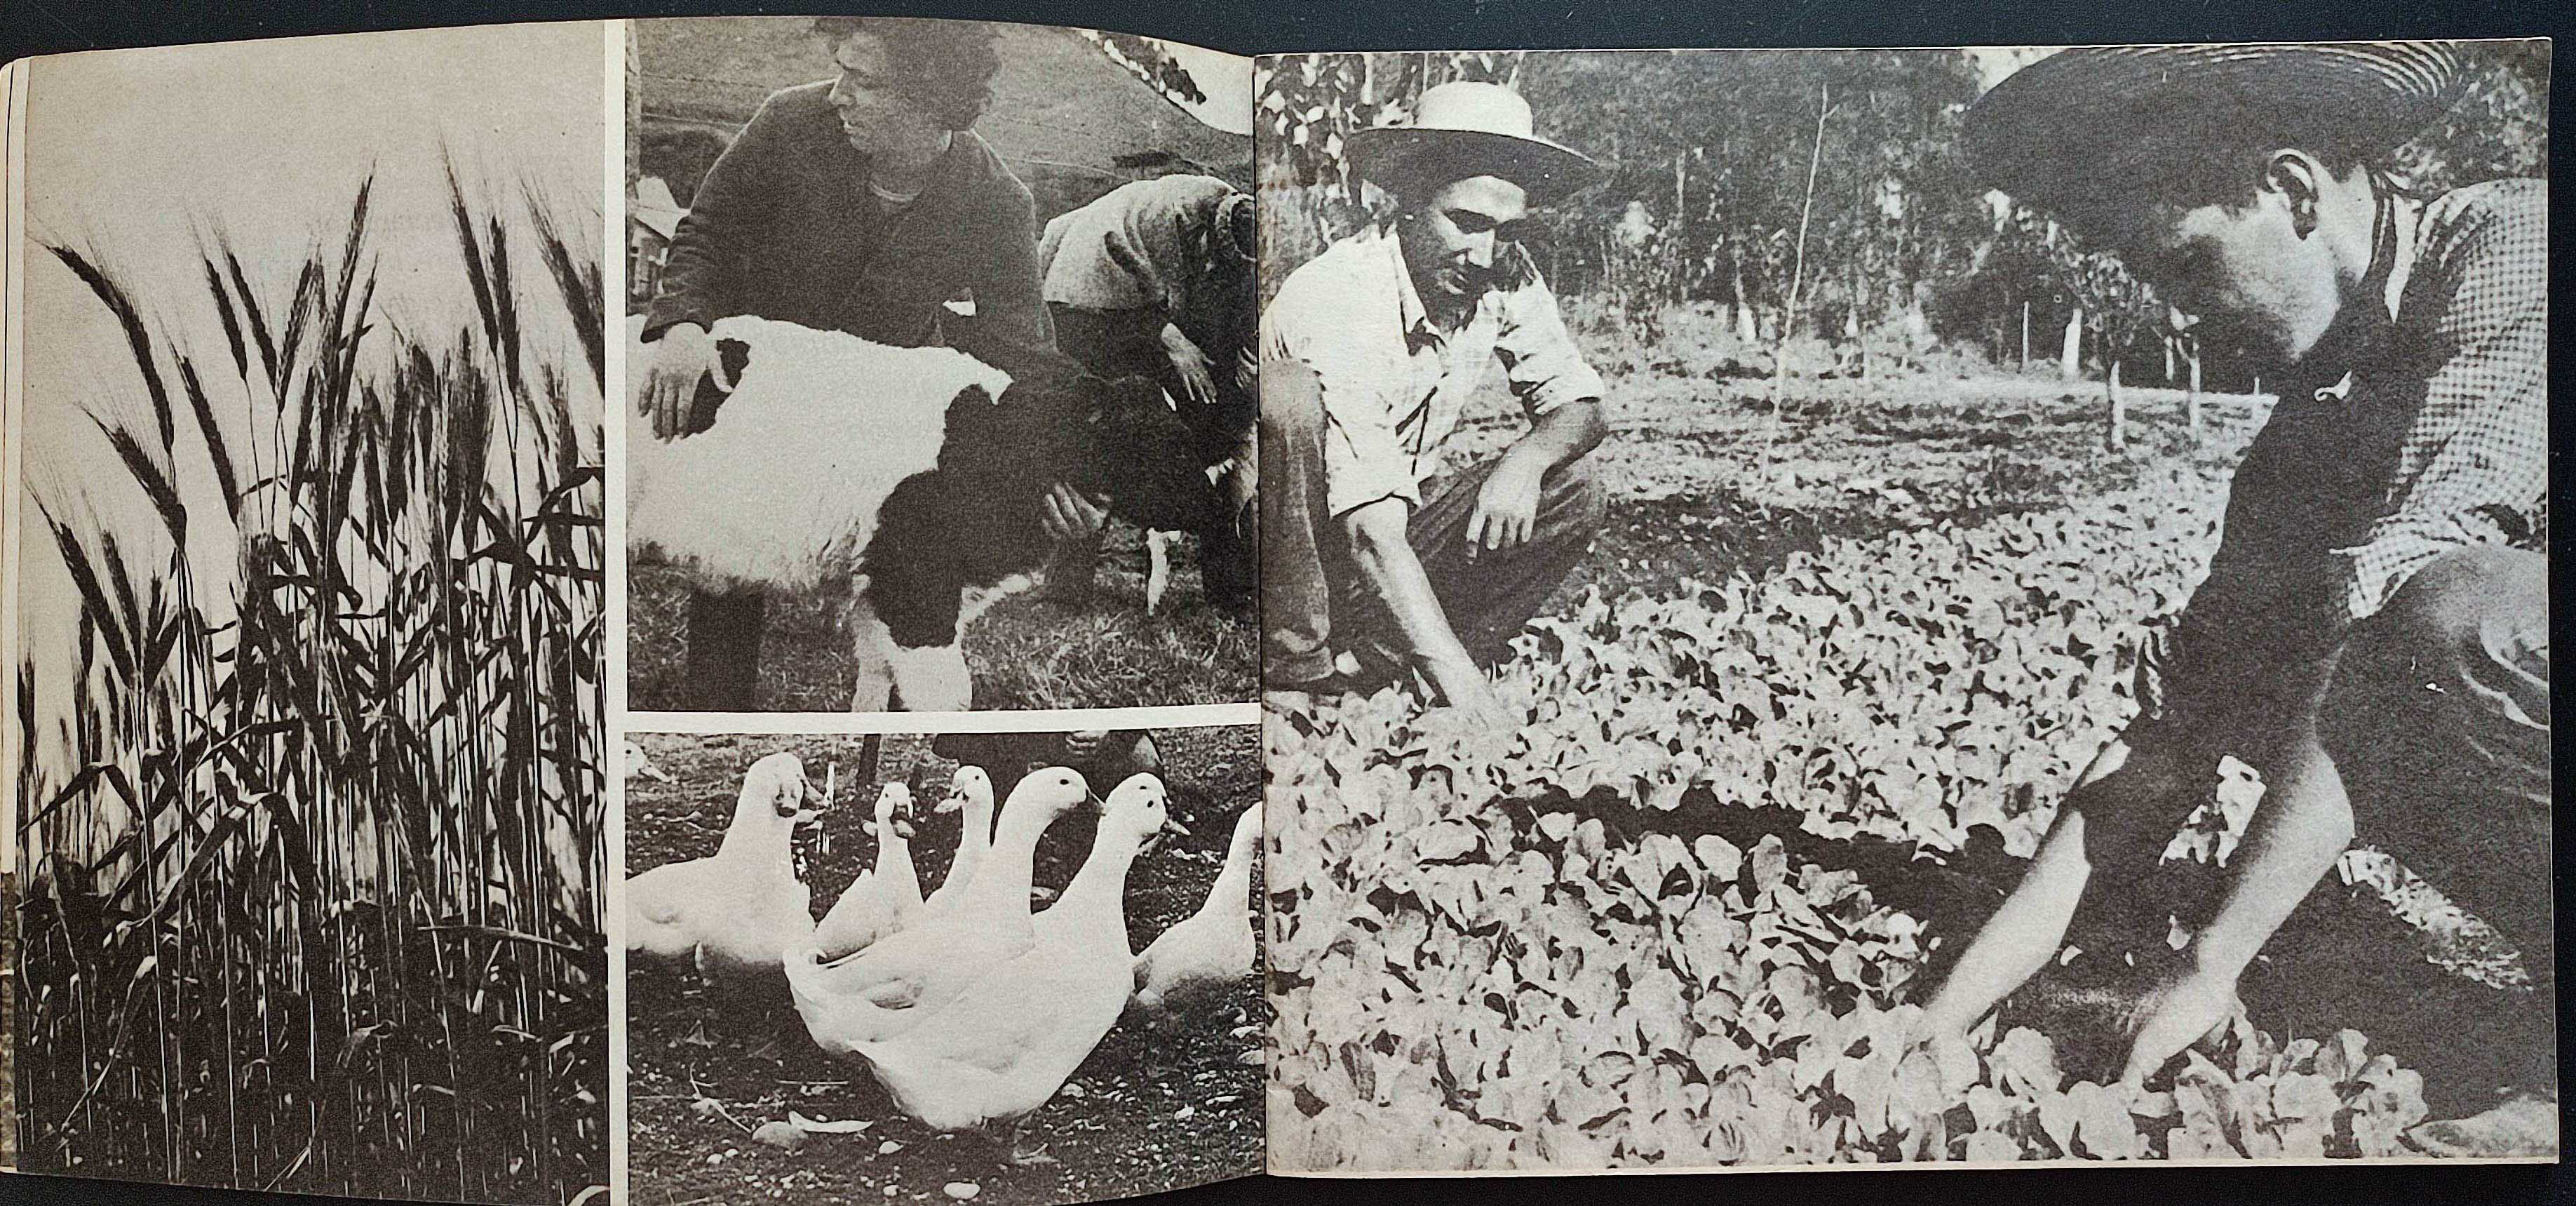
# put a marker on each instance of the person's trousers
(2438, 723)
(723, 673)
(1313, 601)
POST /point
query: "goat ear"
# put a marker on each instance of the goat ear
(971, 423)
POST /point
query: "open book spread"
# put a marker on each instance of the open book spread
(849, 609)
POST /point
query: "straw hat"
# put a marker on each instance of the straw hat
(1468, 129)
(2096, 124)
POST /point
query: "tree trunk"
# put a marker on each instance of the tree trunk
(2169, 359)
(2119, 436)
(1860, 335)
(1744, 329)
(2070, 360)
(2025, 336)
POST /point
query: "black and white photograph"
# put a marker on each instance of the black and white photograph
(1007, 966)
(940, 370)
(311, 797)
(1974, 605)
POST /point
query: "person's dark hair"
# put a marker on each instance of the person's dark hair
(947, 66)
(2231, 175)
(1415, 178)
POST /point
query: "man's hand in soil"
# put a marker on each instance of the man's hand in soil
(2174, 1015)
(1462, 686)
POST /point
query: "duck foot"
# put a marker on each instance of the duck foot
(1025, 1154)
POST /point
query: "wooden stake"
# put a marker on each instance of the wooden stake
(2191, 401)
(2071, 358)
(2119, 437)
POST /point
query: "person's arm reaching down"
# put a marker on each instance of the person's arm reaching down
(1379, 544)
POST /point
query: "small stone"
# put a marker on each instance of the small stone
(1186, 1113)
(780, 1135)
(1072, 1089)
(963, 1191)
(888, 1148)
(706, 1107)
(889, 1192)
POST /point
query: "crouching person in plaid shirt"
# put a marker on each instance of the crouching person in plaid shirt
(2373, 636)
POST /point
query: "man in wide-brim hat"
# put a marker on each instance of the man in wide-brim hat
(2373, 634)
(1367, 356)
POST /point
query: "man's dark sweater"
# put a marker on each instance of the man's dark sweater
(785, 227)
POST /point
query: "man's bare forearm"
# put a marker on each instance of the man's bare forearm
(1387, 562)
(2115, 815)
(2022, 935)
(2301, 827)
(1562, 435)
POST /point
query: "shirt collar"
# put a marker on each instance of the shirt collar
(2396, 240)
(1411, 316)
(2404, 238)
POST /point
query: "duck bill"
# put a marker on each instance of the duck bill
(1175, 828)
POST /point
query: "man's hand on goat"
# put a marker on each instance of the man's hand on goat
(684, 354)
(1070, 515)
(1198, 380)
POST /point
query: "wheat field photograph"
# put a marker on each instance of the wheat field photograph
(308, 799)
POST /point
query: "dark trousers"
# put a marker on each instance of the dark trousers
(2438, 723)
(1313, 601)
(1118, 344)
(1008, 758)
(724, 650)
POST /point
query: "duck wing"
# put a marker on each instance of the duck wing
(661, 905)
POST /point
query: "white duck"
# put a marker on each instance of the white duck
(887, 897)
(744, 907)
(1003, 1048)
(970, 791)
(888, 988)
(637, 764)
(1212, 948)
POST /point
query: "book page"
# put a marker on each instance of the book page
(12, 202)
(1933, 605)
(307, 714)
(939, 824)
(920, 627)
